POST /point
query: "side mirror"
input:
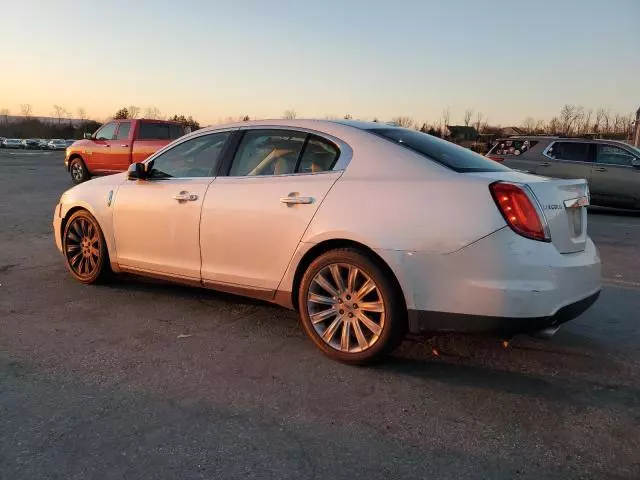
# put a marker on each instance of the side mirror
(635, 163)
(88, 136)
(137, 171)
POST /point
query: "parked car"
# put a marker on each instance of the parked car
(30, 144)
(43, 144)
(118, 144)
(1, 142)
(611, 168)
(368, 230)
(70, 142)
(57, 144)
(12, 143)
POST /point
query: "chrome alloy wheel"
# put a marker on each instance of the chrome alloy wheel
(82, 247)
(346, 308)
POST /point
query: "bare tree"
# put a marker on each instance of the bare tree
(585, 125)
(134, 111)
(25, 109)
(58, 112)
(540, 126)
(555, 126)
(529, 125)
(468, 114)
(150, 112)
(405, 122)
(570, 115)
(446, 116)
(4, 114)
(289, 114)
(348, 116)
(478, 123)
(82, 114)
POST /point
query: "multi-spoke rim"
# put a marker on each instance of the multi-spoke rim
(77, 171)
(346, 308)
(82, 247)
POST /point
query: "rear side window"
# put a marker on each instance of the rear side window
(573, 151)
(268, 152)
(159, 131)
(445, 153)
(509, 147)
(318, 156)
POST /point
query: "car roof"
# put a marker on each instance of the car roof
(561, 139)
(310, 123)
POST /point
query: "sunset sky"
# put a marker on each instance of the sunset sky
(368, 58)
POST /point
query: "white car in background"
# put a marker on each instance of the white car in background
(368, 230)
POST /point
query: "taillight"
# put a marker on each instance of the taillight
(516, 203)
(497, 159)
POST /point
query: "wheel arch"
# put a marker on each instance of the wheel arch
(72, 157)
(333, 244)
(78, 207)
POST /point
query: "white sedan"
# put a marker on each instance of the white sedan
(368, 230)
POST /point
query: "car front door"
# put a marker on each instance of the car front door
(120, 155)
(99, 151)
(565, 159)
(157, 221)
(615, 180)
(254, 217)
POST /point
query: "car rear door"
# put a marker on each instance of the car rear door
(614, 179)
(254, 218)
(566, 159)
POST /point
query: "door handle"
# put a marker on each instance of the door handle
(185, 197)
(124, 145)
(295, 200)
(545, 164)
(106, 145)
(601, 169)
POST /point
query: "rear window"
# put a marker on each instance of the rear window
(446, 153)
(508, 147)
(160, 131)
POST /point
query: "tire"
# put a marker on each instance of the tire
(84, 248)
(78, 171)
(321, 299)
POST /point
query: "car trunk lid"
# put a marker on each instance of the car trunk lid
(562, 202)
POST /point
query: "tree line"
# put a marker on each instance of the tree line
(572, 120)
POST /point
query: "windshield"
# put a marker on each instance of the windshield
(445, 153)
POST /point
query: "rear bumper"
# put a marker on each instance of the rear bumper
(422, 321)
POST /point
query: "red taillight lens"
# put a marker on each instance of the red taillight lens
(497, 159)
(518, 210)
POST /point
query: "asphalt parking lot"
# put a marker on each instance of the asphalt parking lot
(139, 379)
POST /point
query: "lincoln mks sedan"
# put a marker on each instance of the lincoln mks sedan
(368, 230)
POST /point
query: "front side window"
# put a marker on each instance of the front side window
(572, 151)
(268, 152)
(107, 132)
(198, 157)
(123, 131)
(610, 155)
(445, 153)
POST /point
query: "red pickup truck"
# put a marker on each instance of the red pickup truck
(118, 144)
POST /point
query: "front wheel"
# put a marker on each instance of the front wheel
(350, 307)
(84, 248)
(78, 171)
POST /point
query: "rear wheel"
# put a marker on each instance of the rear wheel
(78, 171)
(84, 248)
(350, 307)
